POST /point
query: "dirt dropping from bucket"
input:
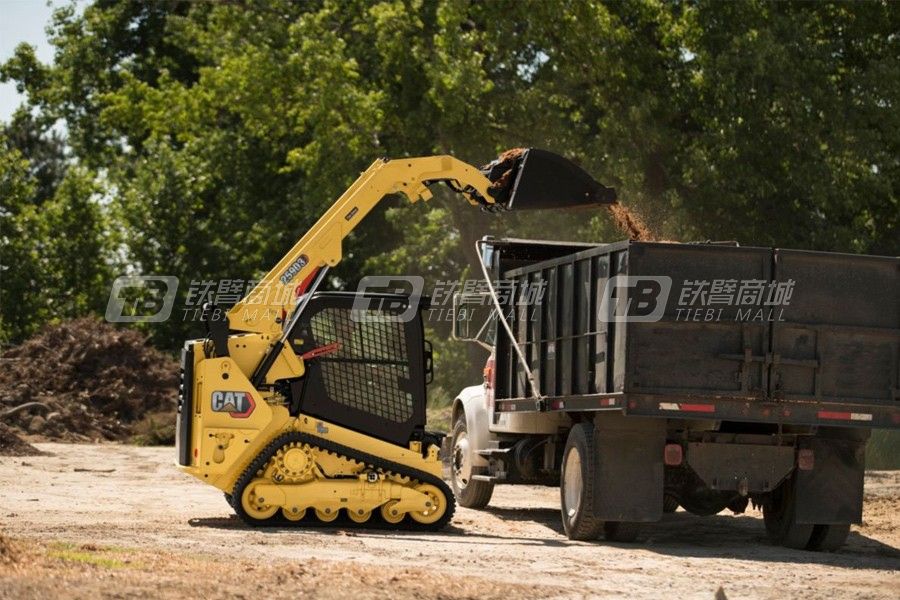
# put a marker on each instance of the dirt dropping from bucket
(630, 223)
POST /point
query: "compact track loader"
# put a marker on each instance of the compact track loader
(305, 407)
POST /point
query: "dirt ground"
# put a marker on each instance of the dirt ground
(110, 520)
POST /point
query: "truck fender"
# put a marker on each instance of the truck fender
(471, 403)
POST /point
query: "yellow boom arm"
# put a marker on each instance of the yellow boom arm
(264, 308)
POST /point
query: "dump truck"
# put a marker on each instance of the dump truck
(307, 406)
(644, 376)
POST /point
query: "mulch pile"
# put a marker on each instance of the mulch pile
(13, 445)
(9, 551)
(85, 380)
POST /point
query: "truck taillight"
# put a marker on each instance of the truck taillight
(806, 460)
(673, 455)
(489, 380)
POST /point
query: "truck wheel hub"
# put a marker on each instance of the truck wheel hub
(462, 461)
(573, 483)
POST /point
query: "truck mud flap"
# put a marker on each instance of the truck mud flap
(629, 475)
(832, 491)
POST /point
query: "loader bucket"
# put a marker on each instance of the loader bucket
(530, 178)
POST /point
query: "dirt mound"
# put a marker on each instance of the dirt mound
(12, 445)
(9, 551)
(86, 379)
(630, 223)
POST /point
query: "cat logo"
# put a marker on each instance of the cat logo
(238, 404)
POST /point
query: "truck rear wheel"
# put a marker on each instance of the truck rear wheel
(780, 517)
(576, 485)
(670, 504)
(469, 492)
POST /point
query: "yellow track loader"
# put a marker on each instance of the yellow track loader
(307, 407)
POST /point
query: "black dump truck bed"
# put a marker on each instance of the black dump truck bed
(707, 331)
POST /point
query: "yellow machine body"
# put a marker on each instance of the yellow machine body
(238, 430)
(234, 422)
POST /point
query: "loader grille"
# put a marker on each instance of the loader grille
(370, 371)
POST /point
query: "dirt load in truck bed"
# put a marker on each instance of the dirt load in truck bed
(114, 520)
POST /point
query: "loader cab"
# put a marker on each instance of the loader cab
(371, 375)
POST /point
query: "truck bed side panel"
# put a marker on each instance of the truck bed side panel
(693, 349)
(840, 336)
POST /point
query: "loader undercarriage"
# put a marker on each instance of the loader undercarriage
(302, 479)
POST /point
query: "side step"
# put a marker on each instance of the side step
(487, 478)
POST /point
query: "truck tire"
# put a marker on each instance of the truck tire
(576, 485)
(670, 504)
(828, 538)
(469, 493)
(780, 518)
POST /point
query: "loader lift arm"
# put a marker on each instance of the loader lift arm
(264, 308)
(528, 178)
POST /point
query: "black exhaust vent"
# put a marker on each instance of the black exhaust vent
(185, 406)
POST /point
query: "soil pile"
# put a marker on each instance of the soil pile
(9, 552)
(86, 379)
(12, 445)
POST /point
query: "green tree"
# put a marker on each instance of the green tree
(218, 132)
(56, 252)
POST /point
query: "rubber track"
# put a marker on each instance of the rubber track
(370, 460)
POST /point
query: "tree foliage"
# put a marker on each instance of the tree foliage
(216, 133)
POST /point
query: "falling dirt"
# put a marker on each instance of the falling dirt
(630, 223)
(84, 380)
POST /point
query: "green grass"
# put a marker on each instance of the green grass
(155, 431)
(883, 451)
(86, 555)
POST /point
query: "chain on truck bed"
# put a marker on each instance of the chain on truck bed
(373, 462)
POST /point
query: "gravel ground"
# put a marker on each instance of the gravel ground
(110, 520)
